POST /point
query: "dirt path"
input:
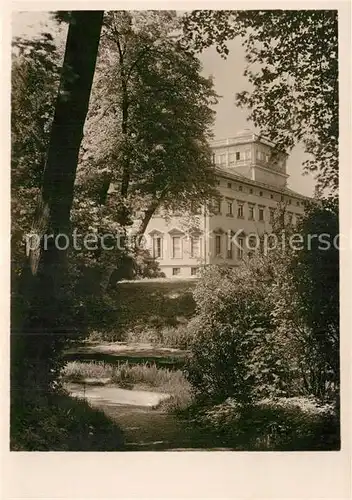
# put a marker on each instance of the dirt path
(145, 427)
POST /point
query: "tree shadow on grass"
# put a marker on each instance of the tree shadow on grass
(61, 423)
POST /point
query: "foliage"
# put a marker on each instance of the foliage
(282, 424)
(236, 351)
(292, 66)
(174, 337)
(34, 82)
(76, 371)
(149, 122)
(146, 266)
(144, 305)
(271, 326)
(60, 423)
(315, 270)
(42, 305)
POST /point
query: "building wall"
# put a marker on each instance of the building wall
(224, 225)
(254, 160)
(232, 154)
(185, 230)
(251, 158)
(262, 174)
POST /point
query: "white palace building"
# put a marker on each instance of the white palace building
(251, 185)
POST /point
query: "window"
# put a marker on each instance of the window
(229, 185)
(218, 183)
(267, 158)
(240, 211)
(253, 242)
(195, 246)
(260, 193)
(217, 244)
(176, 271)
(176, 247)
(240, 248)
(238, 156)
(261, 213)
(229, 208)
(251, 212)
(231, 158)
(258, 155)
(251, 191)
(247, 154)
(272, 196)
(230, 250)
(289, 202)
(240, 188)
(222, 159)
(194, 271)
(297, 203)
(157, 247)
(217, 207)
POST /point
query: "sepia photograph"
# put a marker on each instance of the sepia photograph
(175, 236)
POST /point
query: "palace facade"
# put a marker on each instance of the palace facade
(252, 183)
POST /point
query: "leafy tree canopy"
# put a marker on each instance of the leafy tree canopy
(292, 64)
(150, 117)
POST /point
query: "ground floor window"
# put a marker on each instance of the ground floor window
(217, 244)
(195, 246)
(176, 271)
(176, 247)
(157, 247)
(194, 271)
(240, 248)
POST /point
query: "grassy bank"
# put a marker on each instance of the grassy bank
(61, 423)
(145, 310)
(273, 424)
(136, 376)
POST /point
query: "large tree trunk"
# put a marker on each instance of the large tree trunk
(39, 311)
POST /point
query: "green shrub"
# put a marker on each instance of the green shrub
(315, 268)
(60, 423)
(141, 306)
(177, 337)
(285, 424)
(235, 352)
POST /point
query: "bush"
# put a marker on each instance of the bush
(178, 337)
(286, 424)
(235, 352)
(316, 273)
(60, 423)
(142, 306)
